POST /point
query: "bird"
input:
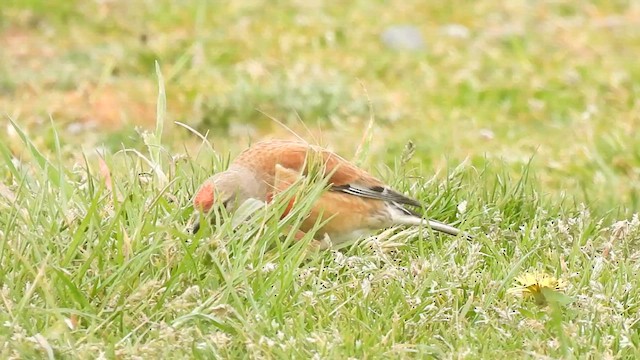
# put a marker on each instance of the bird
(355, 202)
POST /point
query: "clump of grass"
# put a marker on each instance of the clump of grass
(96, 260)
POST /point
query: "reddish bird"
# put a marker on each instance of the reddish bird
(355, 203)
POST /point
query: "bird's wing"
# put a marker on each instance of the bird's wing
(343, 176)
(376, 192)
(284, 177)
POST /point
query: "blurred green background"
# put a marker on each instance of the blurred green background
(486, 80)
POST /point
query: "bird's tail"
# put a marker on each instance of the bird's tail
(406, 216)
(433, 224)
(442, 227)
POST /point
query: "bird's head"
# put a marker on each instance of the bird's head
(223, 187)
(229, 188)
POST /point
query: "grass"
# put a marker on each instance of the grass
(523, 131)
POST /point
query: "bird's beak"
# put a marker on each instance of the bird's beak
(195, 227)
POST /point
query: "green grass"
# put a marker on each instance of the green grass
(524, 133)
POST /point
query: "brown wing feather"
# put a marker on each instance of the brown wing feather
(344, 176)
(292, 154)
(330, 205)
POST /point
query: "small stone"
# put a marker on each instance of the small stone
(455, 31)
(487, 134)
(403, 37)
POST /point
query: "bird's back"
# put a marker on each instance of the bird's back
(263, 157)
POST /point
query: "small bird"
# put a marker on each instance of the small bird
(354, 204)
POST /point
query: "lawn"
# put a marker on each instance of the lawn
(517, 121)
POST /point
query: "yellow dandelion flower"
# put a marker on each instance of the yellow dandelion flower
(534, 284)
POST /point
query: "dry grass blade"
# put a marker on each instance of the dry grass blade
(6, 193)
(367, 136)
(280, 123)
